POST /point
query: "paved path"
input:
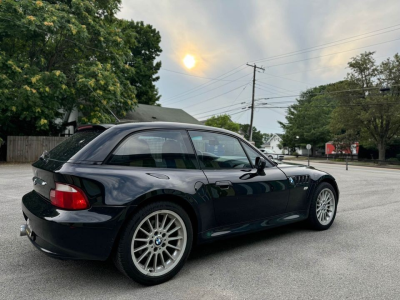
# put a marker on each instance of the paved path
(358, 258)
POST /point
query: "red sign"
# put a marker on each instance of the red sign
(331, 149)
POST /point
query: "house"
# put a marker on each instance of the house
(271, 145)
(141, 113)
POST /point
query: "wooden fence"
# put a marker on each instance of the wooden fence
(29, 148)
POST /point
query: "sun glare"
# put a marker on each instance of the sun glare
(189, 61)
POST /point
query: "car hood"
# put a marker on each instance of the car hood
(291, 169)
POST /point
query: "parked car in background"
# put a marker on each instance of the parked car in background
(271, 154)
(146, 193)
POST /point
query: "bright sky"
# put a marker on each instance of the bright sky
(206, 39)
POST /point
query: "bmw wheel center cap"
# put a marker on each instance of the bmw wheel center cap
(158, 241)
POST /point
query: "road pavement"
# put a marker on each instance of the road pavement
(357, 258)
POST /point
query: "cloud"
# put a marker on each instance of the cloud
(225, 34)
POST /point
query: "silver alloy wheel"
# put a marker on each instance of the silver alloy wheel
(325, 206)
(158, 243)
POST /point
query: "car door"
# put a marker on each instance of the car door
(239, 191)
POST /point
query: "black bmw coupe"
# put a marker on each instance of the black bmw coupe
(146, 193)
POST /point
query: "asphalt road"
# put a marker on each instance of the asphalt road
(357, 258)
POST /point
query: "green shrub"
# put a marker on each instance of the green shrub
(295, 154)
(393, 159)
(398, 156)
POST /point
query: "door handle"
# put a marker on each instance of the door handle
(223, 185)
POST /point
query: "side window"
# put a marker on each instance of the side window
(253, 154)
(156, 149)
(218, 151)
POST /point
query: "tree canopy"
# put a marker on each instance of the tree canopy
(145, 50)
(58, 55)
(370, 104)
(258, 136)
(307, 121)
(223, 121)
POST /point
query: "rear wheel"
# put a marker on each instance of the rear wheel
(323, 207)
(155, 243)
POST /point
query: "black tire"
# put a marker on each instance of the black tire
(312, 216)
(123, 256)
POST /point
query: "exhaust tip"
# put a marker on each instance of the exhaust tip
(22, 230)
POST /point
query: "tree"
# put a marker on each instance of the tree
(60, 55)
(266, 136)
(223, 121)
(367, 109)
(258, 137)
(145, 49)
(307, 121)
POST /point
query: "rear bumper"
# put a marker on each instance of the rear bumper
(85, 234)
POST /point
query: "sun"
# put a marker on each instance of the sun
(189, 61)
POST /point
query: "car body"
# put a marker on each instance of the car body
(271, 154)
(221, 183)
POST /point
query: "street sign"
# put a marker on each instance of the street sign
(308, 146)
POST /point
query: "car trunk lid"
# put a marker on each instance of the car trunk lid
(45, 169)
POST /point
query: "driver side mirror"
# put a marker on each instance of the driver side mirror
(260, 163)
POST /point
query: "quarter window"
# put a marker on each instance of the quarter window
(218, 151)
(156, 149)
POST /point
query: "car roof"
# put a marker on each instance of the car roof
(160, 125)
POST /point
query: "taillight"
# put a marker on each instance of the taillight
(68, 197)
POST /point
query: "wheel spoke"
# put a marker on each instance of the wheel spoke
(151, 226)
(163, 222)
(143, 255)
(141, 240)
(170, 224)
(141, 248)
(173, 230)
(174, 247)
(144, 231)
(156, 224)
(169, 255)
(162, 260)
(175, 238)
(155, 261)
(148, 261)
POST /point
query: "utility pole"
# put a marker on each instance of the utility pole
(252, 101)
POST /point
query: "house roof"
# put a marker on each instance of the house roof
(152, 113)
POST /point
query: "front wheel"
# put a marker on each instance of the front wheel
(155, 243)
(323, 207)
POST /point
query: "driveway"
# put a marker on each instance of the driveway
(358, 258)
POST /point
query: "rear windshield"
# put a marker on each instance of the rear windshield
(64, 151)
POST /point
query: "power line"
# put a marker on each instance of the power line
(204, 112)
(305, 50)
(344, 105)
(206, 91)
(203, 85)
(274, 86)
(318, 46)
(226, 113)
(270, 91)
(332, 53)
(191, 75)
(324, 93)
(215, 97)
